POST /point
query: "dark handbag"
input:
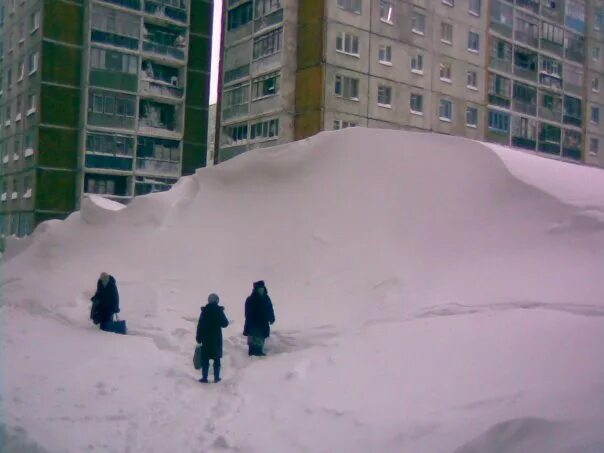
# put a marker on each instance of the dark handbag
(118, 326)
(197, 357)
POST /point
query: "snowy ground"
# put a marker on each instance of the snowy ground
(431, 294)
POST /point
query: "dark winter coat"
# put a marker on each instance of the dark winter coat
(258, 315)
(209, 330)
(106, 300)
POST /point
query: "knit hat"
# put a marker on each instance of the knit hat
(213, 298)
(259, 284)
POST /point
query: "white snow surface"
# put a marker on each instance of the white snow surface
(432, 295)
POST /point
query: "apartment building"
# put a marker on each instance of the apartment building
(98, 97)
(512, 72)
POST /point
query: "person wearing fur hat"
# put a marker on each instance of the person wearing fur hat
(105, 302)
(209, 334)
(259, 315)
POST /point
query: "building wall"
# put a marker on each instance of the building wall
(595, 71)
(46, 156)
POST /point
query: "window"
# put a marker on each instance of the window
(9, 78)
(499, 121)
(446, 32)
(20, 70)
(416, 103)
(385, 54)
(445, 72)
(472, 80)
(418, 23)
(445, 111)
(112, 104)
(595, 114)
(21, 32)
(109, 60)
(117, 28)
(341, 124)
(347, 43)
(551, 33)
(234, 97)
(266, 85)
(268, 43)
(240, 16)
(475, 7)
(449, 2)
(473, 42)
(595, 53)
(384, 97)
(264, 130)
(599, 19)
(594, 146)
(266, 7)
(7, 116)
(386, 11)
(595, 84)
(347, 87)
(19, 106)
(32, 62)
(471, 117)
(118, 145)
(417, 63)
(34, 21)
(235, 134)
(350, 5)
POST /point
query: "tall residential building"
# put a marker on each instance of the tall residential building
(98, 96)
(526, 73)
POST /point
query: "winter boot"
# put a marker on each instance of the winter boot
(217, 370)
(204, 380)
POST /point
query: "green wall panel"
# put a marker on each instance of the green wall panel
(55, 190)
(68, 72)
(60, 106)
(201, 17)
(58, 148)
(196, 126)
(63, 21)
(200, 52)
(198, 89)
(193, 157)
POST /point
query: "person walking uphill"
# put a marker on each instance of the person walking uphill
(105, 302)
(259, 315)
(209, 334)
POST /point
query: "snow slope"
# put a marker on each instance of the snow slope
(432, 295)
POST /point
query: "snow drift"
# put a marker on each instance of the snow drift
(432, 294)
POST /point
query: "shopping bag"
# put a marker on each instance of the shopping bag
(197, 357)
(118, 326)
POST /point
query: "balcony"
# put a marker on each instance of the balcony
(527, 108)
(573, 120)
(158, 156)
(171, 10)
(550, 114)
(235, 111)
(501, 65)
(165, 41)
(553, 82)
(114, 39)
(577, 55)
(573, 89)
(160, 89)
(524, 143)
(526, 38)
(108, 161)
(531, 5)
(501, 28)
(163, 50)
(525, 73)
(132, 4)
(266, 21)
(158, 117)
(549, 148)
(499, 100)
(553, 47)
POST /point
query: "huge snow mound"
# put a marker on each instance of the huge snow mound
(432, 294)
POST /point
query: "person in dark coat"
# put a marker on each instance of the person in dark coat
(105, 302)
(209, 334)
(259, 315)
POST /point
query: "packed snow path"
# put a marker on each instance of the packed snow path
(427, 300)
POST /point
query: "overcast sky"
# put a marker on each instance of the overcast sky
(215, 50)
